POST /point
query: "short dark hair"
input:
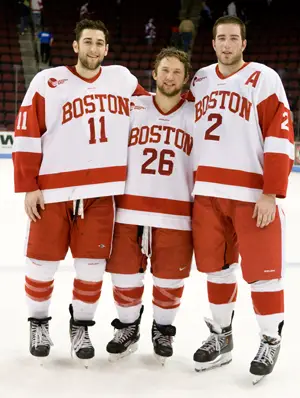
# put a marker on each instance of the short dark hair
(90, 24)
(228, 19)
(173, 52)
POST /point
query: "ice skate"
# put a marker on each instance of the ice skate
(40, 341)
(81, 344)
(125, 341)
(265, 359)
(162, 339)
(216, 350)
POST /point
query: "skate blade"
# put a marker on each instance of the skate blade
(221, 360)
(116, 357)
(81, 362)
(42, 361)
(256, 379)
(85, 363)
(161, 360)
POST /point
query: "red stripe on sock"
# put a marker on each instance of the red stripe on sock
(88, 292)
(38, 290)
(128, 296)
(221, 293)
(167, 298)
(268, 303)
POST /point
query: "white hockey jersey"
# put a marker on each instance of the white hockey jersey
(244, 140)
(71, 134)
(160, 175)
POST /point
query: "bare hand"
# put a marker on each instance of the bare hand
(32, 200)
(265, 210)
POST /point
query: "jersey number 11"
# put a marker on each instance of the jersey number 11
(94, 130)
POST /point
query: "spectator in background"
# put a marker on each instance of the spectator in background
(24, 8)
(231, 9)
(206, 11)
(243, 15)
(84, 11)
(36, 13)
(175, 40)
(46, 40)
(187, 32)
(150, 32)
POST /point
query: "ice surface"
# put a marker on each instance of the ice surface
(139, 375)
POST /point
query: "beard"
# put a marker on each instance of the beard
(172, 93)
(230, 60)
(89, 63)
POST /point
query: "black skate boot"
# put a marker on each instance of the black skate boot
(216, 350)
(162, 339)
(265, 359)
(80, 339)
(125, 339)
(40, 341)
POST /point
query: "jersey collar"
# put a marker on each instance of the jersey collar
(174, 109)
(221, 76)
(72, 69)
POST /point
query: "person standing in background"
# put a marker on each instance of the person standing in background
(36, 13)
(46, 41)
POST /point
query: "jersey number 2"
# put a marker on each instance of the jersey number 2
(217, 118)
(93, 126)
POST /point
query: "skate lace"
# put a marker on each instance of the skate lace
(215, 342)
(122, 335)
(161, 339)
(266, 353)
(80, 338)
(40, 335)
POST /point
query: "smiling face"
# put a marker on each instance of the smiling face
(228, 44)
(170, 76)
(91, 48)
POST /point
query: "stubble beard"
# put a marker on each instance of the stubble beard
(169, 94)
(88, 65)
(231, 62)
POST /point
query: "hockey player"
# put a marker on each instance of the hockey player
(244, 146)
(154, 215)
(70, 157)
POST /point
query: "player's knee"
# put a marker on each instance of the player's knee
(41, 270)
(227, 275)
(271, 285)
(89, 269)
(128, 280)
(168, 283)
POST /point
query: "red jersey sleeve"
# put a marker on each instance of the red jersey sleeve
(30, 125)
(277, 130)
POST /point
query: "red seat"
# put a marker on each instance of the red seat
(8, 77)
(8, 87)
(16, 59)
(9, 107)
(10, 117)
(5, 58)
(133, 65)
(9, 96)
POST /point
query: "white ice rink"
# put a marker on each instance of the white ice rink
(139, 375)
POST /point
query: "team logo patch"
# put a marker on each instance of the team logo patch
(136, 107)
(52, 82)
(198, 79)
